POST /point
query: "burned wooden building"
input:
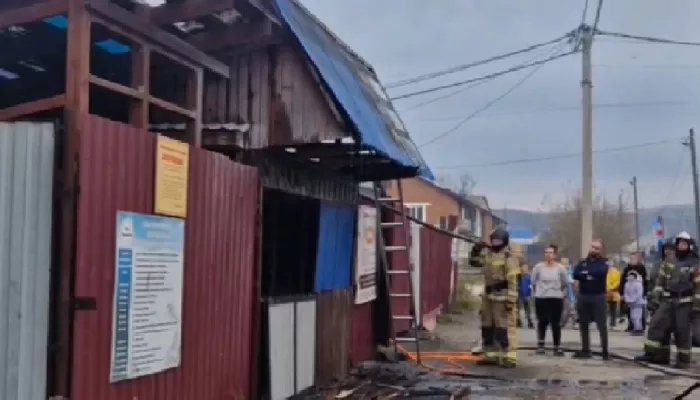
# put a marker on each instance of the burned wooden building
(263, 82)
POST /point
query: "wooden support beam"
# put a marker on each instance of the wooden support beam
(141, 68)
(239, 34)
(140, 94)
(32, 107)
(195, 99)
(77, 107)
(33, 12)
(140, 26)
(187, 10)
(265, 8)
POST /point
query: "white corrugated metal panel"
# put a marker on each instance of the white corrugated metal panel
(306, 344)
(281, 341)
(414, 258)
(26, 180)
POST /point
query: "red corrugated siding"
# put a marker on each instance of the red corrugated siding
(362, 333)
(116, 173)
(436, 269)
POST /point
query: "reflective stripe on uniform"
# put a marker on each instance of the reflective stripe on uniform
(684, 351)
(497, 297)
(655, 344)
(511, 355)
(658, 289)
(697, 279)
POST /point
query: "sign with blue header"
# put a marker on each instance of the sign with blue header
(146, 324)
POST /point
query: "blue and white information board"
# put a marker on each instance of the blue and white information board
(146, 323)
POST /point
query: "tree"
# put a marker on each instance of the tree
(611, 222)
(463, 185)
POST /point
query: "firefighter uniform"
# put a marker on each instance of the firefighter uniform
(498, 306)
(675, 296)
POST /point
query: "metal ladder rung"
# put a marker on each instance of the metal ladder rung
(391, 224)
(389, 199)
(406, 339)
(397, 271)
(402, 317)
(396, 248)
(400, 295)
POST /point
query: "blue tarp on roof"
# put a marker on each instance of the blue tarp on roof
(355, 87)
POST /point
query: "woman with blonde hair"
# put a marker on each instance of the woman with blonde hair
(612, 283)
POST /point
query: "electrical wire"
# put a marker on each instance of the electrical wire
(458, 91)
(585, 12)
(492, 102)
(597, 15)
(574, 108)
(646, 38)
(485, 77)
(558, 157)
(678, 169)
(463, 67)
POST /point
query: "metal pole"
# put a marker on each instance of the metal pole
(587, 151)
(633, 182)
(696, 192)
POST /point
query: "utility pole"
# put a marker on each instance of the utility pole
(633, 182)
(587, 152)
(620, 217)
(696, 192)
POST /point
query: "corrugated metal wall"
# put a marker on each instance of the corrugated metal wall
(332, 333)
(26, 183)
(362, 341)
(275, 91)
(336, 242)
(116, 173)
(436, 269)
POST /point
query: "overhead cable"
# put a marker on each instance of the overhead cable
(492, 102)
(460, 90)
(463, 67)
(585, 12)
(559, 156)
(597, 15)
(485, 77)
(679, 173)
(575, 108)
(646, 38)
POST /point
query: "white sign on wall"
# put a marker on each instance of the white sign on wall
(147, 321)
(366, 257)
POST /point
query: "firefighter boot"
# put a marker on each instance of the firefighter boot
(682, 359)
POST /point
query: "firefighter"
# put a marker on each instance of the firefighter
(498, 306)
(675, 297)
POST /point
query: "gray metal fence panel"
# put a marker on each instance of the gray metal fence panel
(26, 182)
(306, 344)
(281, 342)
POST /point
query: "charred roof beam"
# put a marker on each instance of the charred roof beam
(240, 34)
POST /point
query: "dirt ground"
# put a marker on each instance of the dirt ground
(535, 377)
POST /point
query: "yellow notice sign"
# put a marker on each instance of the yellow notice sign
(172, 168)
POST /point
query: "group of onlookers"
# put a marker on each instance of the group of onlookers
(589, 292)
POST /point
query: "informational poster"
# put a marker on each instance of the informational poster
(366, 257)
(172, 168)
(146, 322)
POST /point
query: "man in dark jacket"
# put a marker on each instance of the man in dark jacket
(637, 265)
(591, 274)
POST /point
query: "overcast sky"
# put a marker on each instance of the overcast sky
(647, 92)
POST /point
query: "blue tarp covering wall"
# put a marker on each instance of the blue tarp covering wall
(344, 77)
(336, 239)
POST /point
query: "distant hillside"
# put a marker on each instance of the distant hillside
(676, 219)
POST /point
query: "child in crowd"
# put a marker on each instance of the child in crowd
(525, 295)
(634, 298)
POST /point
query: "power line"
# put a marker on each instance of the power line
(558, 157)
(462, 90)
(597, 15)
(486, 106)
(485, 77)
(585, 12)
(646, 38)
(679, 169)
(463, 67)
(576, 108)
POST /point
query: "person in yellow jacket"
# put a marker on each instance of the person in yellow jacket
(613, 292)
